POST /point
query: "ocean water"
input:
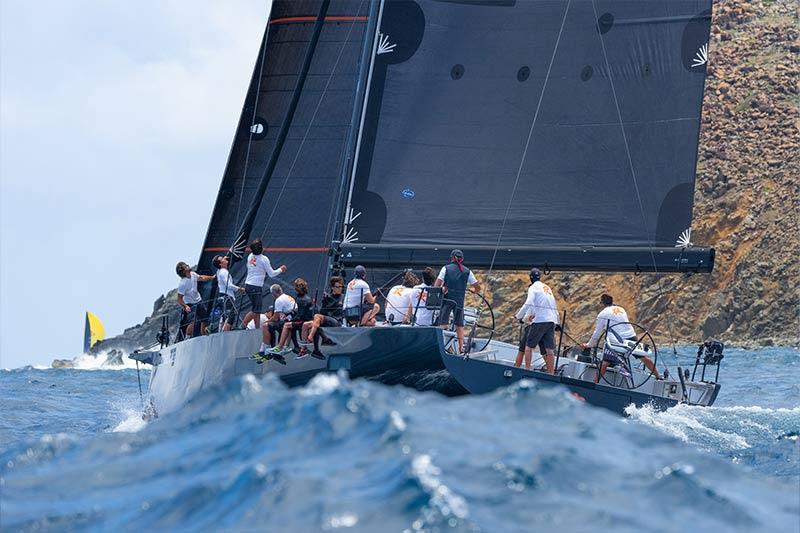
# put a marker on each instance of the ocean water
(358, 456)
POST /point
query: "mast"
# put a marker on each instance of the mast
(246, 227)
(341, 217)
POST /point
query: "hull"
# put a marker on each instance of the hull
(411, 356)
(391, 355)
(480, 376)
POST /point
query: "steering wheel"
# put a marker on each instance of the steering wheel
(626, 359)
(484, 321)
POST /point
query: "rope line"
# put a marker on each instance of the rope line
(650, 238)
(528, 142)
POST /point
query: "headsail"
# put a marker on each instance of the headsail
(560, 133)
(295, 215)
(93, 331)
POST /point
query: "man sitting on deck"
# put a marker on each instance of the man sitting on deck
(399, 303)
(358, 293)
(419, 299)
(455, 277)
(330, 314)
(616, 320)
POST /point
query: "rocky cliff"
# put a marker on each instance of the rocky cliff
(746, 200)
(746, 206)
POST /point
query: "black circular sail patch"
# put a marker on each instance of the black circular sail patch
(523, 73)
(587, 73)
(457, 72)
(605, 22)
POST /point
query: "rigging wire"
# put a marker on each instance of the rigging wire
(650, 238)
(527, 146)
(276, 202)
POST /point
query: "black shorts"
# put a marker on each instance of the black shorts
(330, 322)
(522, 336)
(541, 334)
(197, 312)
(256, 298)
(451, 307)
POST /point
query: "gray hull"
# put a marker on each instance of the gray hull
(391, 355)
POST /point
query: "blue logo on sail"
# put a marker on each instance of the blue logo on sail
(408, 193)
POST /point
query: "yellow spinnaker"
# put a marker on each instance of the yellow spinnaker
(94, 331)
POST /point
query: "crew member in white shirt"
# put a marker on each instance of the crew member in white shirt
(189, 298)
(226, 289)
(541, 312)
(358, 293)
(258, 268)
(399, 306)
(616, 320)
(422, 315)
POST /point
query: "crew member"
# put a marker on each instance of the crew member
(419, 299)
(189, 299)
(227, 292)
(258, 268)
(540, 310)
(298, 318)
(357, 294)
(330, 314)
(455, 277)
(399, 306)
(283, 307)
(615, 319)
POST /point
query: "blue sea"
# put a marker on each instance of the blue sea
(358, 456)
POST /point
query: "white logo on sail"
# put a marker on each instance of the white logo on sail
(684, 241)
(257, 128)
(701, 57)
(351, 235)
(383, 45)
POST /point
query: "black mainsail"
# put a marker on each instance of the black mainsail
(560, 133)
(294, 215)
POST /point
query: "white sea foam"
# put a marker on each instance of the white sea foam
(445, 500)
(100, 362)
(322, 383)
(712, 427)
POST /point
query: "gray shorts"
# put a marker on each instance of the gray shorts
(330, 322)
(451, 307)
(541, 334)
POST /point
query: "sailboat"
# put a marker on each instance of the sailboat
(93, 331)
(558, 134)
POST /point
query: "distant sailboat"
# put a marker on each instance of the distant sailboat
(93, 332)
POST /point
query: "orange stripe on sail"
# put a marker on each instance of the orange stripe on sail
(285, 20)
(301, 250)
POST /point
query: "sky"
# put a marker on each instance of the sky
(116, 119)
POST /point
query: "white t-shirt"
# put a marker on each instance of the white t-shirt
(615, 317)
(258, 268)
(353, 294)
(188, 289)
(262, 322)
(398, 302)
(471, 279)
(284, 304)
(225, 284)
(540, 303)
(424, 317)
